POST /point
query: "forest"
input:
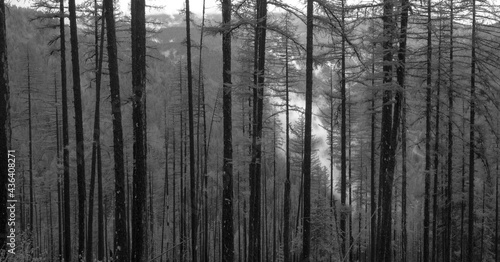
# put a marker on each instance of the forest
(262, 130)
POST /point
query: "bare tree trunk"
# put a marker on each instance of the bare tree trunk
(427, 174)
(174, 212)
(286, 202)
(306, 166)
(373, 197)
(192, 178)
(258, 103)
(165, 193)
(59, 179)
(387, 156)
(65, 133)
(495, 243)
(470, 239)
(449, 189)
(275, 216)
(100, 211)
(120, 237)
(30, 139)
(227, 202)
(96, 145)
(80, 147)
(343, 161)
(401, 75)
(139, 214)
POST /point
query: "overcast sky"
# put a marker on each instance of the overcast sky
(196, 6)
(169, 7)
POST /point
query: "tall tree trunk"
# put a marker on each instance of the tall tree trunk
(275, 216)
(139, 232)
(227, 202)
(4, 126)
(401, 74)
(495, 242)
(96, 145)
(120, 237)
(202, 159)
(65, 133)
(306, 166)
(373, 197)
(30, 139)
(427, 171)
(435, 210)
(343, 161)
(80, 146)
(286, 202)
(470, 238)
(205, 175)
(390, 126)
(174, 212)
(192, 178)
(258, 103)
(449, 189)
(59, 179)
(435, 214)
(165, 193)
(100, 210)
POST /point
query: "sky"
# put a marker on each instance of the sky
(196, 6)
(168, 7)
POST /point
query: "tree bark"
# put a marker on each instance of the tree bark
(401, 75)
(286, 202)
(306, 166)
(258, 103)
(80, 146)
(138, 29)
(120, 237)
(470, 238)
(449, 189)
(192, 171)
(390, 125)
(428, 138)
(99, 47)
(65, 133)
(227, 202)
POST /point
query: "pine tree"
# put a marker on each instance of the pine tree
(306, 165)
(227, 198)
(121, 252)
(138, 25)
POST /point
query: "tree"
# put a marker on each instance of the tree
(343, 161)
(65, 133)
(389, 138)
(405, 6)
(121, 252)
(192, 178)
(449, 188)
(306, 165)
(80, 147)
(138, 25)
(287, 200)
(227, 194)
(257, 107)
(96, 146)
(427, 173)
(472, 153)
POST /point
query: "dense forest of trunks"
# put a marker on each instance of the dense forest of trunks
(268, 131)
